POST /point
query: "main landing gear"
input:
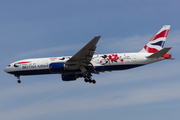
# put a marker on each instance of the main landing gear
(90, 81)
(87, 78)
(18, 77)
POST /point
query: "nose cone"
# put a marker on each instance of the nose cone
(7, 70)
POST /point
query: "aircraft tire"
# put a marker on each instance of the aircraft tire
(86, 80)
(93, 81)
(19, 81)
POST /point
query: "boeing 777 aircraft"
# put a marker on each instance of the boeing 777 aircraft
(84, 62)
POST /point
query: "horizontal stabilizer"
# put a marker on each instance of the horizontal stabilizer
(160, 53)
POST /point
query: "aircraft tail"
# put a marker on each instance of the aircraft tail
(157, 42)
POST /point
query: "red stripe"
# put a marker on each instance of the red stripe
(22, 62)
(150, 50)
(161, 34)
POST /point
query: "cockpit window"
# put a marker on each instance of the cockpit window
(9, 65)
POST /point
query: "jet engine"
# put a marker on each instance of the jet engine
(69, 77)
(57, 67)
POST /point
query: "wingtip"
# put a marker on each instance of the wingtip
(97, 36)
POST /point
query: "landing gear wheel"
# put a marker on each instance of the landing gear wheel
(18, 77)
(93, 81)
(86, 80)
(19, 81)
(90, 81)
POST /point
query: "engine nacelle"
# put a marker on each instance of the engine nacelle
(57, 67)
(69, 77)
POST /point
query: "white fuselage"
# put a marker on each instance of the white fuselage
(101, 63)
(84, 62)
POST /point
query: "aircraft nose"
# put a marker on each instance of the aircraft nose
(6, 69)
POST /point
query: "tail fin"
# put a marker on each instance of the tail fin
(157, 42)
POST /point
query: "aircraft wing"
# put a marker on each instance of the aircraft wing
(83, 57)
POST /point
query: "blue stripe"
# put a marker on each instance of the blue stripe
(160, 43)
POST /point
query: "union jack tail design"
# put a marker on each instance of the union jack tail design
(157, 42)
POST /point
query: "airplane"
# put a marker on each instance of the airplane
(84, 63)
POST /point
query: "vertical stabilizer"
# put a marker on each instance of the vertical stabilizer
(157, 42)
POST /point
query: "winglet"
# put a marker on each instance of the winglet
(160, 53)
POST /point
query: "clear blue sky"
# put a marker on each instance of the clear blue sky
(49, 28)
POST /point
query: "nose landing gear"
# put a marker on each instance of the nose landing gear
(18, 77)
